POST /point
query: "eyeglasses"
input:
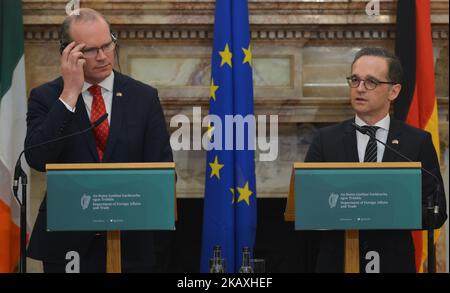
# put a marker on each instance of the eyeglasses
(92, 52)
(369, 84)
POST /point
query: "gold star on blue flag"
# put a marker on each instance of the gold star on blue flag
(229, 213)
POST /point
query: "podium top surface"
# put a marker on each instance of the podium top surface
(357, 165)
(109, 166)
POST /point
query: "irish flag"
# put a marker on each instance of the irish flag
(417, 103)
(13, 106)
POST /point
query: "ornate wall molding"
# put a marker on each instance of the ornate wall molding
(440, 32)
(265, 12)
(270, 19)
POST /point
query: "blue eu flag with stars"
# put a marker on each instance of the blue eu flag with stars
(229, 214)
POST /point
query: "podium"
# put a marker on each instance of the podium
(111, 197)
(353, 197)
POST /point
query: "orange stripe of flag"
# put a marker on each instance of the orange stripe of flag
(424, 95)
(9, 240)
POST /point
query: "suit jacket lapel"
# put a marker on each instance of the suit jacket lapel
(83, 123)
(119, 100)
(393, 140)
(350, 143)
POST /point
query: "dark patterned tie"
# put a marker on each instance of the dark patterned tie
(369, 156)
(371, 149)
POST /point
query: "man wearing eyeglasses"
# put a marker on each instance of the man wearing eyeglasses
(375, 82)
(135, 131)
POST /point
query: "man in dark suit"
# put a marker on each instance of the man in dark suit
(374, 84)
(135, 131)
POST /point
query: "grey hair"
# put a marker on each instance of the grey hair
(80, 15)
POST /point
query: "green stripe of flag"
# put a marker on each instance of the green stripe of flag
(11, 41)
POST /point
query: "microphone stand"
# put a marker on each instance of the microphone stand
(432, 208)
(22, 202)
(20, 175)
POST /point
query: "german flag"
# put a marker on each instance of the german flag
(417, 103)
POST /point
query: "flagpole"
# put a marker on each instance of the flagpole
(431, 261)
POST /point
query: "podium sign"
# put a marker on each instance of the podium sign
(345, 197)
(132, 198)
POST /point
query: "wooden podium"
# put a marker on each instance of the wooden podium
(113, 246)
(351, 259)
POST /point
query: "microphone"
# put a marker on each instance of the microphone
(18, 169)
(433, 205)
(20, 174)
(438, 186)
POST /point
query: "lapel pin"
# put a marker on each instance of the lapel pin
(119, 94)
(395, 141)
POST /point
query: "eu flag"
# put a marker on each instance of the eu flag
(229, 216)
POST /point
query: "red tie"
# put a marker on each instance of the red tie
(98, 109)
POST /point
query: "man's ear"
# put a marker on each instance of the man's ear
(395, 91)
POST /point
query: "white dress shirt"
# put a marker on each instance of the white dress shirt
(363, 139)
(107, 86)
